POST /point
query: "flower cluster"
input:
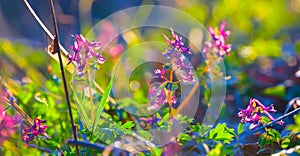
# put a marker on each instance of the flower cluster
(164, 93)
(181, 68)
(84, 50)
(176, 45)
(252, 114)
(158, 96)
(36, 129)
(218, 43)
(7, 125)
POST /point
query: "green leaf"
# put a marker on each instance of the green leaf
(218, 150)
(157, 151)
(103, 101)
(263, 140)
(295, 127)
(183, 138)
(276, 91)
(51, 144)
(285, 143)
(273, 134)
(128, 125)
(264, 120)
(221, 133)
(203, 129)
(240, 129)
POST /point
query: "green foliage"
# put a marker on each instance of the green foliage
(183, 138)
(221, 133)
(156, 151)
(218, 150)
(103, 102)
(271, 136)
(51, 144)
(275, 91)
(295, 127)
(285, 143)
(264, 120)
(240, 129)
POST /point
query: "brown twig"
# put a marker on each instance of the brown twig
(57, 50)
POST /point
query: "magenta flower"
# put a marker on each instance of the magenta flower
(7, 125)
(35, 130)
(107, 37)
(218, 43)
(159, 73)
(252, 114)
(182, 68)
(158, 96)
(84, 50)
(176, 45)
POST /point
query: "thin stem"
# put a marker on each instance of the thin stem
(63, 50)
(57, 50)
(278, 119)
(96, 146)
(170, 91)
(28, 120)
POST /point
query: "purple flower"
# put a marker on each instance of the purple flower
(7, 125)
(159, 73)
(218, 43)
(252, 114)
(183, 70)
(176, 44)
(84, 50)
(36, 129)
(158, 96)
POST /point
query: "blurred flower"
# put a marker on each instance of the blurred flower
(84, 50)
(157, 96)
(252, 114)
(109, 38)
(147, 122)
(36, 129)
(7, 125)
(159, 73)
(218, 43)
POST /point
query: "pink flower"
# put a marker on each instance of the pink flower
(84, 50)
(7, 125)
(35, 130)
(176, 45)
(159, 73)
(252, 114)
(218, 43)
(108, 37)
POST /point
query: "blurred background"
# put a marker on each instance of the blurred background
(264, 62)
